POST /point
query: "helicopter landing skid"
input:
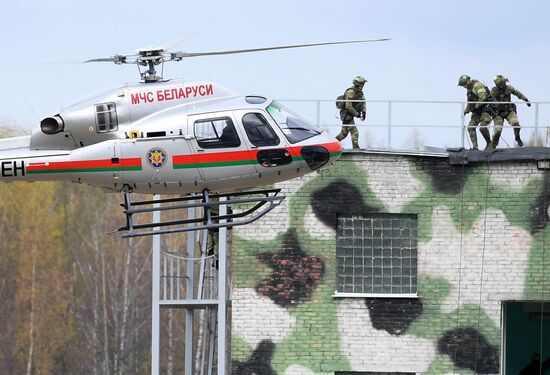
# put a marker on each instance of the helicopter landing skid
(243, 208)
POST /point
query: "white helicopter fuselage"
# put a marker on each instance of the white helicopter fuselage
(170, 137)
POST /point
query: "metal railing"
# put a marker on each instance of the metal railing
(430, 124)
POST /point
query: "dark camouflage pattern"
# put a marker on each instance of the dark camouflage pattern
(504, 94)
(506, 111)
(477, 92)
(351, 110)
(354, 108)
(481, 113)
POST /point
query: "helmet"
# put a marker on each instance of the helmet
(463, 80)
(500, 80)
(357, 81)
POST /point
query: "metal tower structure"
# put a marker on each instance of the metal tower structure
(198, 278)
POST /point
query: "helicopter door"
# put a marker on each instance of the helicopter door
(273, 153)
(221, 155)
(159, 163)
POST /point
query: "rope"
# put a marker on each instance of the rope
(504, 140)
(482, 263)
(459, 265)
(545, 192)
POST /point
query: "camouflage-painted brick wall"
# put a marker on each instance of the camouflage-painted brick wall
(481, 231)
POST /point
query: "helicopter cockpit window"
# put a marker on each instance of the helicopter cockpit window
(295, 129)
(259, 131)
(106, 118)
(216, 133)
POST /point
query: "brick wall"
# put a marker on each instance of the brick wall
(480, 241)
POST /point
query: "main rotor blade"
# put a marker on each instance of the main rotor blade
(103, 59)
(189, 54)
(117, 59)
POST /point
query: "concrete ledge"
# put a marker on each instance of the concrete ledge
(460, 156)
(463, 157)
(434, 152)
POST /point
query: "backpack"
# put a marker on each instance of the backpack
(340, 103)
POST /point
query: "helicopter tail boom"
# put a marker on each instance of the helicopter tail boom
(16, 157)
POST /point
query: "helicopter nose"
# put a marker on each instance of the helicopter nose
(315, 156)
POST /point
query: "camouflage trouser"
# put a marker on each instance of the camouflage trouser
(351, 129)
(483, 119)
(512, 119)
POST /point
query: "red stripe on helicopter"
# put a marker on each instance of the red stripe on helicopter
(214, 157)
(332, 147)
(85, 165)
(240, 157)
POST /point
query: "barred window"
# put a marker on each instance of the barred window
(106, 118)
(376, 254)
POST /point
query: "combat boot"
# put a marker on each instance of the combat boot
(518, 138)
(487, 136)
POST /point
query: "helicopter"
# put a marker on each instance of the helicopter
(170, 136)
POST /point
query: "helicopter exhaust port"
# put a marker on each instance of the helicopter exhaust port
(52, 125)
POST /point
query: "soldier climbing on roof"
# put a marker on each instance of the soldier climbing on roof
(503, 92)
(481, 112)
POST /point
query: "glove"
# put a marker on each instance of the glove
(363, 116)
(528, 104)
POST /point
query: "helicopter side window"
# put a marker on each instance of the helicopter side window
(106, 118)
(216, 133)
(259, 131)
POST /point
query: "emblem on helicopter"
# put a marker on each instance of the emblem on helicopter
(156, 157)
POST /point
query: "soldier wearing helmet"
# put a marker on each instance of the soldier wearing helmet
(503, 92)
(481, 112)
(354, 107)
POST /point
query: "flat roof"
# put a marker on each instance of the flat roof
(459, 156)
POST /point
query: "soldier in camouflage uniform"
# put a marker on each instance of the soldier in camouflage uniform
(213, 234)
(353, 109)
(503, 93)
(481, 113)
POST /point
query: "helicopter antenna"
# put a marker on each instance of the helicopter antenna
(151, 57)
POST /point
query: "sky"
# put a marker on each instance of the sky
(432, 43)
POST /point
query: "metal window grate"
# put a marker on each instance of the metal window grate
(106, 117)
(377, 254)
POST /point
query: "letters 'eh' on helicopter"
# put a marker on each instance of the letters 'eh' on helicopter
(170, 136)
